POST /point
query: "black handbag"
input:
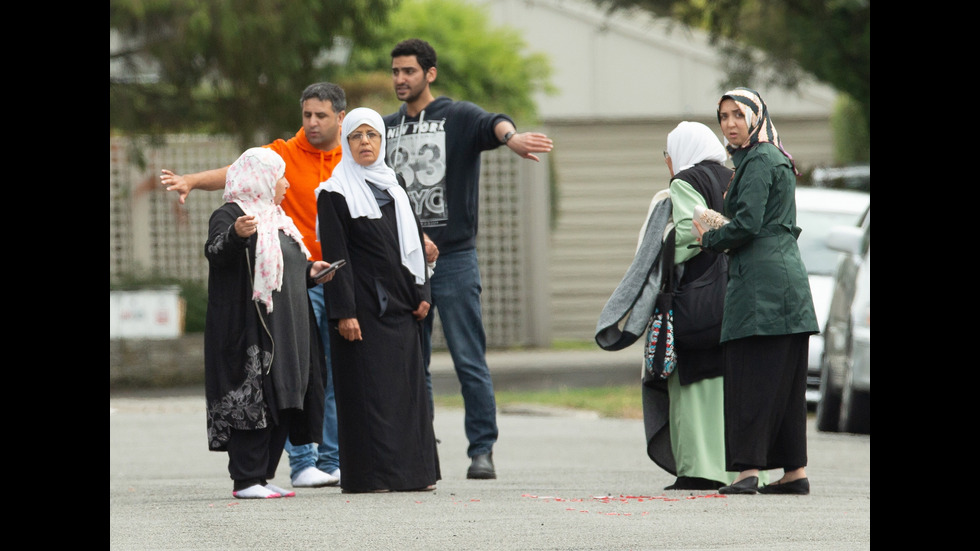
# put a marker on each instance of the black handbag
(699, 306)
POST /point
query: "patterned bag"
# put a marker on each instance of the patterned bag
(659, 354)
(659, 357)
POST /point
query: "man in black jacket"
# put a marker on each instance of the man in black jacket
(434, 144)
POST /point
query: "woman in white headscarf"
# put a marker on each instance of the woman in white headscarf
(376, 304)
(263, 363)
(696, 454)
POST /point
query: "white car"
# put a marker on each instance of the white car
(845, 375)
(817, 211)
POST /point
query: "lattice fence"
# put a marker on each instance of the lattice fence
(151, 233)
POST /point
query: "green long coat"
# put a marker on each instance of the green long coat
(768, 288)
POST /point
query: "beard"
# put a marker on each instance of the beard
(411, 94)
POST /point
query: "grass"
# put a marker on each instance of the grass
(613, 401)
(621, 402)
(574, 345)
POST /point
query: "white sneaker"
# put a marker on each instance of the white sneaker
(311, 477)
(256, 492)
(276, 489)
(336, 474)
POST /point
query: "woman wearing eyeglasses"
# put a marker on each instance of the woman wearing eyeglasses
(376, 305)
(695, 157)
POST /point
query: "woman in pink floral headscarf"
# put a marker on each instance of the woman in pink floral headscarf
(263, 362)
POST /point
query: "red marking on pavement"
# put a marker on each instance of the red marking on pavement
(622, 498)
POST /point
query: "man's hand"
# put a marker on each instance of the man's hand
(431, 251)
(209, 180)
(176, 182)
(527, 143)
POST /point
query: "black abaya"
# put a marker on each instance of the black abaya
(385, 426)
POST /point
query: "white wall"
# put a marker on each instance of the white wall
(630, 65)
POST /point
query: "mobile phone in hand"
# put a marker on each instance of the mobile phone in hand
(333, 266)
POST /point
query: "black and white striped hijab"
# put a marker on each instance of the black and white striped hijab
(761, 128)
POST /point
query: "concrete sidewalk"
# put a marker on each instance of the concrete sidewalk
(566, 480)
(147, 364)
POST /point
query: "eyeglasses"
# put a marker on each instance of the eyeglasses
(358, 136)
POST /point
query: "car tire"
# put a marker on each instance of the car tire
(855, 409)
(828, 408)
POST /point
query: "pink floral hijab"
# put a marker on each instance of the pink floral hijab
(251, 184)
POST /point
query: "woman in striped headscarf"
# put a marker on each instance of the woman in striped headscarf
(768, 308)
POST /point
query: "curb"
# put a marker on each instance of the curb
(171, 363)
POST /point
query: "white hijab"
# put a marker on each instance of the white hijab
(251, 184)
(350, 180)
(689, 143)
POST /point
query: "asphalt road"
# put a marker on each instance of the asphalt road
(566, 481)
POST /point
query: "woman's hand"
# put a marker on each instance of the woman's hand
(245, 226)
(422, 310)
(698, 228)
(350, 329)
(319, 266)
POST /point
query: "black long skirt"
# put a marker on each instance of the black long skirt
(765, 402)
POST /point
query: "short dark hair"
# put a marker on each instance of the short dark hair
(422, 50)
(326, 91)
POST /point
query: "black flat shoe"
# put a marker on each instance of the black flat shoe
(694, 483)
(429, 488)
(800, 487)
(748, 485)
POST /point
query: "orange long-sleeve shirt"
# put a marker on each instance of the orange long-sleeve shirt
(306, 167)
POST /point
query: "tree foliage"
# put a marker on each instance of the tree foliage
(828, 39)
(234, 66)
(476, 61)
(239, 66)
(852, 143)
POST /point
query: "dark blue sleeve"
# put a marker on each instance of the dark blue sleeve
(481, 123)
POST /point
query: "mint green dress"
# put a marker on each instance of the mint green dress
(697, 410)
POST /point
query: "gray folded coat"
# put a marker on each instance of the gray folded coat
(632, 302)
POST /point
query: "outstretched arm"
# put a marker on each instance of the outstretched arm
(209, 180)
(524, 144)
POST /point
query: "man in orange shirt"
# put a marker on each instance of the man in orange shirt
(310, 156)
